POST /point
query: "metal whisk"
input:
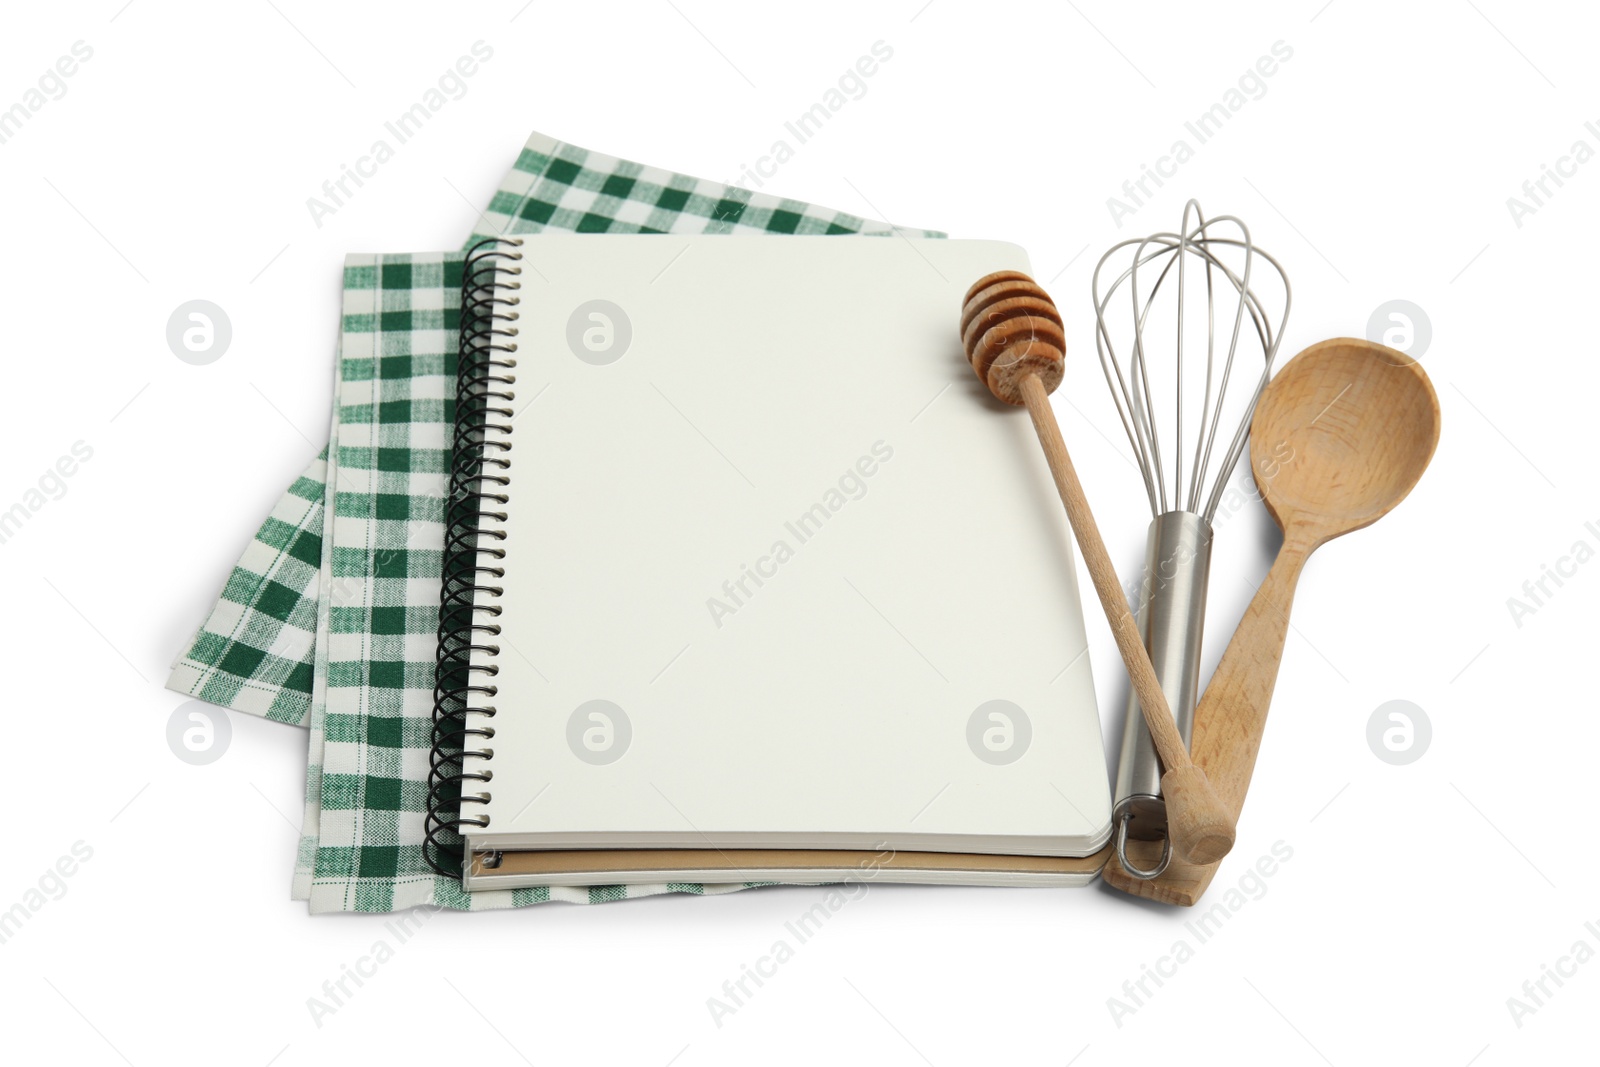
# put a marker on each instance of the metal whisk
(1183, 497)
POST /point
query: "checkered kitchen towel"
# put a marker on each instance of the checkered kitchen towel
(331, 623)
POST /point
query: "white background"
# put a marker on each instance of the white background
(1376, 166)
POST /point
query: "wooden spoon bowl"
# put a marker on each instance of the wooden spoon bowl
(1345, 430)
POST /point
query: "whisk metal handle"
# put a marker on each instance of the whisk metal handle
(1172, 603)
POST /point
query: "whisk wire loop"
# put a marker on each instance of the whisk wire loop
(1130, 385)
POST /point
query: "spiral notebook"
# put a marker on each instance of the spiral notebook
(748, 578)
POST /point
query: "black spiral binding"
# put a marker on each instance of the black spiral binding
(474, 521)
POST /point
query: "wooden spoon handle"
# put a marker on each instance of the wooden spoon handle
(1233, 712)
(1228, 725)
(1198, 823)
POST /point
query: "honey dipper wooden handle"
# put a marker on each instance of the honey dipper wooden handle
(1199, 827)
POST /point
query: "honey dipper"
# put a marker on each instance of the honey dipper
(1013, 337)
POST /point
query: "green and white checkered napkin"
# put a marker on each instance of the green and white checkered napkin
(332, 623)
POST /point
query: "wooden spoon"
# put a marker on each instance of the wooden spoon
(1340, 436)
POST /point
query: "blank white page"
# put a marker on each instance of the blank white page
(790, 535)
